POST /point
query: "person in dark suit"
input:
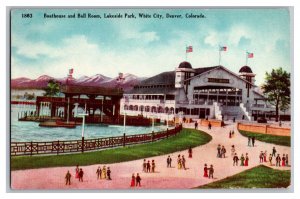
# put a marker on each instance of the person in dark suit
(223, 152)
(209, 125)
(235, 160)
(153, 166)
(261, 157)
(183, 162)
(196, 125)
(211, 172)
(81, 175)
(253, 141)
(190, 152)
(98, 172)
(145, 166)
(138, 180)
(108, 173)
(148, 166)
(68, 178)
(278, 159)
(169, 162)
(219, 151)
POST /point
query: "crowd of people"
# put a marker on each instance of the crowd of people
(244, 160)
(149, 166)
(208, 172)
(104, 173)
(280, 161)
(221, 151)
(251, 141)
(181, 162)
(135, 180)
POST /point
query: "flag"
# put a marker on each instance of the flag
(189, 49)
(223, 48)
(250, 55)
(71, 70)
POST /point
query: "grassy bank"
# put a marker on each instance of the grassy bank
(182, 141)
(258, 177)
(280, 140)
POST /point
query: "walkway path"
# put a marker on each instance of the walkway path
(164, 178)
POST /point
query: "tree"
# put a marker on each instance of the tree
(52, 88)
(277, 89)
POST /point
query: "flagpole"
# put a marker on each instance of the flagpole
(185, 52)
(219, 55)
(246, 58)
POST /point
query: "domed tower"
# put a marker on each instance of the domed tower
(246, 73)
(183, 72)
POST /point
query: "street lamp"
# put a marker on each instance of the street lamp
(124, 123)
(167, 120)
(102, 111)
(153, 123)
(82, 131)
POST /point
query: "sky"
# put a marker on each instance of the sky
(146, 47)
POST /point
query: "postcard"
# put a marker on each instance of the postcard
(151, 99)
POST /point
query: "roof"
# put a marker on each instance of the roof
(162, 78)
(90, 90)
(260, 94)
(185, 64)
(245, 69)
(169, 77)
(207, 69)
(198, 71)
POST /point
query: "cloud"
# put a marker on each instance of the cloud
(212, 39)
(34, 50)
(145, 37)
(89, 57)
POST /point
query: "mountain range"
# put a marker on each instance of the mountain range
(96, 80)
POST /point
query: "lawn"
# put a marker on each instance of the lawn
(279, 140)
(182, 141)
(257, 177)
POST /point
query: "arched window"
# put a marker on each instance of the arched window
(167, 110)
(153, 109)
(141, 108)
(131, 107)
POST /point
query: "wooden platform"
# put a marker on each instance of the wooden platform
(53, 124)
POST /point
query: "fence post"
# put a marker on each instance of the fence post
(152, 136)
(266, 129)
(167, 133)
(82, 145)
(124, 140)
(31, 148)
(57, 147)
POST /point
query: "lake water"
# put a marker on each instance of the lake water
(31, 131)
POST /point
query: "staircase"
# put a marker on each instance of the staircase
(237, 112)
(218, 112)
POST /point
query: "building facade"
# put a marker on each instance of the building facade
(207, 92)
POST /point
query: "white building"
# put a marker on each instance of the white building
(213, 92)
